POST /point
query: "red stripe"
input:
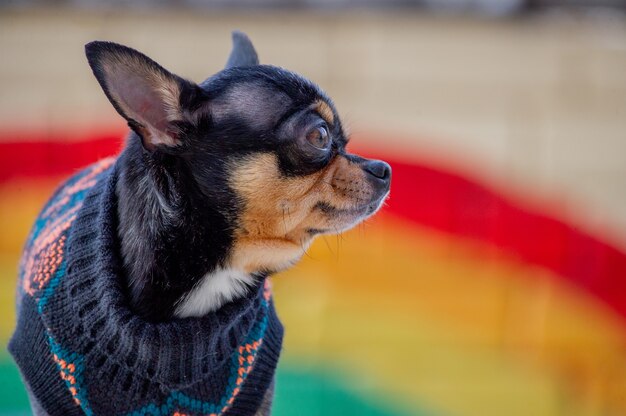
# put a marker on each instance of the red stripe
(422, 194)
(47, 155)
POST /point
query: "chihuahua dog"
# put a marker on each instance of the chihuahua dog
(228, 179)
(220, 185)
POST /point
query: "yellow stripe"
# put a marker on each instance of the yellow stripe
(433, 320)
(20, 202)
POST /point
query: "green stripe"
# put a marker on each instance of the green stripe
(322, 392)
(13, 399)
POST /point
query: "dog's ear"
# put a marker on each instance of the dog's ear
(243, 53)
(144, 93)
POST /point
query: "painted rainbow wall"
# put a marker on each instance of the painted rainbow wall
(458, 299)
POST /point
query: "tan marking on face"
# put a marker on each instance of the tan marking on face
(279, 211)
(325, 111)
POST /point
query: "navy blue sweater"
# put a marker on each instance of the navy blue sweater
(82, 351)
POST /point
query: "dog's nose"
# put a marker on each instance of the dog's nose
(378, 169)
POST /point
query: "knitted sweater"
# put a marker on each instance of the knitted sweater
(81, 351)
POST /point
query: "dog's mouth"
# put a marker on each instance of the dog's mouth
(342, 219)
(367, 210)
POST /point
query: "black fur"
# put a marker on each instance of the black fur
(168, 245)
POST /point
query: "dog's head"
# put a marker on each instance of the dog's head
(262, 145)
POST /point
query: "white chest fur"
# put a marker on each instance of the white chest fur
(212, 291)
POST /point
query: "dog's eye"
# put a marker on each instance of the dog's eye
(318, 137)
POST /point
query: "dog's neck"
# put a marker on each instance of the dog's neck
(173, 250)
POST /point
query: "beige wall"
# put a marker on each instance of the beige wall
(535, 105)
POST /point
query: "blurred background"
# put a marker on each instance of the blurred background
(493, 282)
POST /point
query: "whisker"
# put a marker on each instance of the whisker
(339, 240)
(304, 251)
(328, 245)
(284, 221)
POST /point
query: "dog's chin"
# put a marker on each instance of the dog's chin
(344, 219)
